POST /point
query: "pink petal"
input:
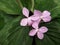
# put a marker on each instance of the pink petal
(25, 12)
(43, 29)
(46, 19)
(35, 17)
(46, 13)
(37, 12)
(30, 21)
(23, 22)
(32, 32)
(36, 23)
(40, 35)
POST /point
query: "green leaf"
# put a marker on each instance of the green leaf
(56, 10)
(6, 17)
(3, 21)
(52, 37)
(19, 35)
(9, 6)
(13, 6)
(14, 34)
(4, 31)
(44, 4)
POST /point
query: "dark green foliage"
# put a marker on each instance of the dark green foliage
(11, 33)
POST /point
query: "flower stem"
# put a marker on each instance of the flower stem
(19, 3)
(32, 8)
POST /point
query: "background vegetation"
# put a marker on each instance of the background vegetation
(11, 33)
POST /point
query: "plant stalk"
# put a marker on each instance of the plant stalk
(32, 8)
(19, 3)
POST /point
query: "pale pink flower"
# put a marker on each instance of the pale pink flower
(39, 31)
(45, 15)
(42, 16)
(28, 20)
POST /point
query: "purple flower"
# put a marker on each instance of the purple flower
(39, 31)
(28, 20)
(34, 20)
(45, 15)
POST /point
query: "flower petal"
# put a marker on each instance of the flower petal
(46, 19)
(32, 32)
(40, 35)
(30, 21)
(25, 12)
(43, 29)
(45, 14)
(36, 23)
(35, 17)
(37, 12)
(23, 22)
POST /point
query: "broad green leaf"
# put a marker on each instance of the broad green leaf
(52, 37)
(9, 6)
(4, 31)
(44, 4)
(13, 6)
(13, 34)
(4, 19)
(19, 35)
(56, 10)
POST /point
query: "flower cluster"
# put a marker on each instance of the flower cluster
(34, 21)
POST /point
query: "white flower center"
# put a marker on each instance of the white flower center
(41, 17)
(29, 18)
(37, 30)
